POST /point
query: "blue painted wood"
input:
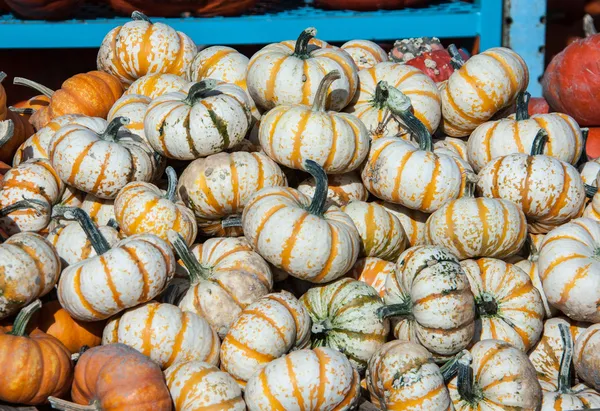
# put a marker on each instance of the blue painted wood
(490, 23)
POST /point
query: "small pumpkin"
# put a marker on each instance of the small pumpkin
(589, 171)
(413, 222)
(155, 85)
(133, 107)
(365, 53)
(100, 210)
(586, 359)
(592, 209)
(373, 271)
(453, 146)
(341, 188)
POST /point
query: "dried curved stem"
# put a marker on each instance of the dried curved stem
(20, 81)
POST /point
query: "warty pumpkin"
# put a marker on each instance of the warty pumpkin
(291, 72)
(373, 271)
(341, 188)
(34, 365)
(587, 358)
(319, 379)
(299, 235)
(292, 134)
(264, 331)
(155, 85)
(365, 53)
(413, 222)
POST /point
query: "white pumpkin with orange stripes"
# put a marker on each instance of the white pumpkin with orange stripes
(365, 53)
(30, 268)
(164, 333)
(373, 271)
(299, 235)
(341, 188)
(100, 163)
(203, 119)
(100, 210)
(481, 87)
(369, 104)
(430, 302)
(381, 232)
(403, 375)
(509, 307)
(196, 385)
(290, 73)
(516, 134)
(587, 356)
(413, 222)
(133, 107)
(589, 172)
(155, 85)
(453, 146)
(495, 376)
(313, 380)
(226, 276)
(141, 47)
(265, 330)
(570, 270)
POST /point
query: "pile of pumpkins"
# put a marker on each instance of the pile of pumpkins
(198, 230)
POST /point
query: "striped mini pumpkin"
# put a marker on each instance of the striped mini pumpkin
(206, 118)
(365, 53)
(592, 209)
(373, 271)
(140, 47)
(299, 235)
(30, 268)
(369, 103)
(265, 330)
(413, 222)
(196, 385)
(134, 271)
(290, 73)
(345, 317)
(589, 172)
(509, 306)
(454, 146)
(292, 134)
(569, 269)
(430, 302)
(100, 210)
(402, 375)
(486, 83)
(133, 107)
(313, 380)
(587, 356)
(381, 232)
(164, 333)
(155, 85)
(341, 188)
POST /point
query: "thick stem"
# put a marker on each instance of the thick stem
(231, 221)
(172, 183)
(381, 95)
(539, 142)
(25, 111)
(110, 134)
(487, 306)
(196, 271)
(395, 310)
(113, 224)
(564, 375)
(321, 96)
(321, 327)
(199, 91)
(301, 49)
(20, 81)
(139, 16)
(91, 231)
(523, 106)
(23, 318)
(465, 383)
(590, 191)
(450, 368)
(59, 404)
(588, 26)
(38, 205)
(7, 131)
(317, 206)
(456, 59)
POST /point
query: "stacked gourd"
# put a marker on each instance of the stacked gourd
(309, 231)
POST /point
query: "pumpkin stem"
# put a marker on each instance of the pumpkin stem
(172, 183)
(466, 387)
(139, 16)
(20, 81)
(91, 231)
(317, 205)
(231, 221)
(533, 251)
(566, 361)
(523, 106)
(59, 404)
(321, 96)
(110, 134)
(25, 111)
(7, 131)
(2, 76)
(395, 310)
(456, 60)
(584, 135)
(588, 26)
(321, 328)
(590, 191)
(75, 357)
(301, 49)
(381, 95)
(113, 224)
(38, 205)
(539, 142)
(450, 368)
(196, 271)
(23, 318)
(199, 91)
(486, 305)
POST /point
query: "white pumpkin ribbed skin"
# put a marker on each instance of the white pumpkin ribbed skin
(344, 317)
(580, 398)
(411, 81)
(381, 232)
(509, 136)
(314, 380)
(546, 355)
(134, 271)
(155, 85)
(373, 271)
(587, 356)
(37, 145)
(214, 123)
(413, 222)
(85, 161)
(73, 245)
(290, 135)
(454, 146)
(139, 48)
(238, 277)
(72, 197)
(549, 191)
(493, 362)
(365, 53)
(29, 268)
(431, 282)
(488, 82)
(478, 227)
(422, 385)
(133, 107)
(592, 210)
(264, 331)
(100, 210)
(342, 188)
(34, 179)
(314, 248)
(196, 385)
(165, 334)
(519, 317)
(570, 270)
(276, 77)
(142, 208)
(399, 172)
(589, 172)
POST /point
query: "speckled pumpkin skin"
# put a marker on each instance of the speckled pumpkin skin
(341, 188)
(587, 356)
(365, 53)
(155, 85)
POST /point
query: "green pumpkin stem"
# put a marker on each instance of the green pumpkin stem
(487, 306)
(450, 368)
(523, 106)
(113, 224)
(319, 200)
(172, 184)
(231, 221)
(7, 131)
(139, 16)
(26, 203)
(199, 91)
(566, 361)
(588, 26)
(465, 383)
(381, 95)
(64, 405)
(20, 81)
(20, 324)
(395, 310)
(196, 271)
(301, 49)
(584, 135)
(539, 142)
(89, 228)
(110, 134)
(590, 191)
(321, 95)
(456, 60)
